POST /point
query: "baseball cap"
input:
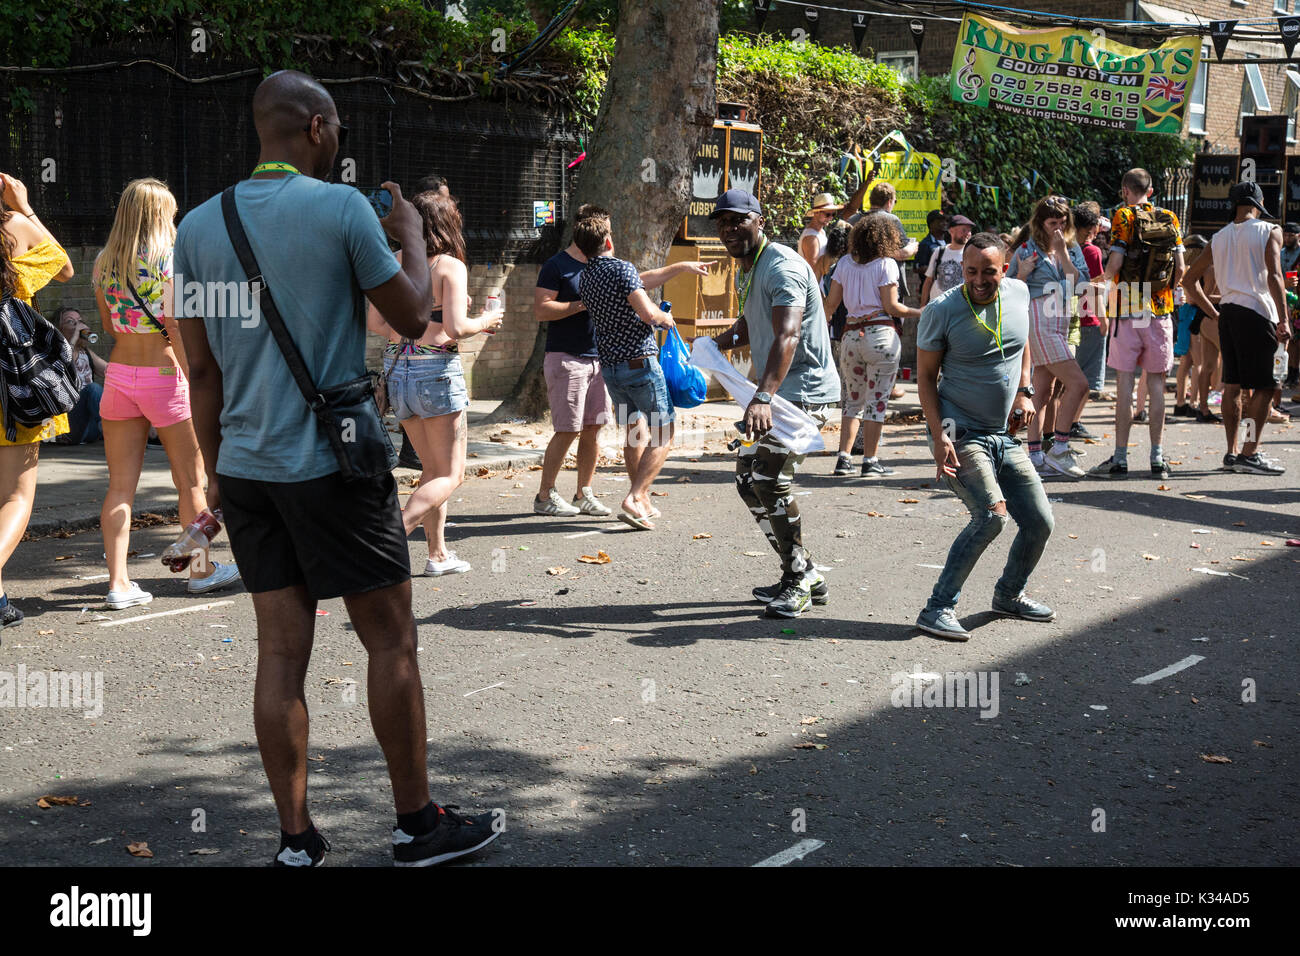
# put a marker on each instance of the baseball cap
(735, 200)
(1291, 227)
(960, 220)
(1247, 193)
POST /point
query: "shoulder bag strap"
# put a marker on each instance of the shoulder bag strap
(139, 300)
(292, 357)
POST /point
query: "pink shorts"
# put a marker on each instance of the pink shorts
(576, 391)
(1145, 342)
(161, 395)
(1049, 330)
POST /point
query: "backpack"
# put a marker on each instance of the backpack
(37, 377)
(1150, 254)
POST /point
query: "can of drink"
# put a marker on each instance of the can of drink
(92, 338)
(905, 374)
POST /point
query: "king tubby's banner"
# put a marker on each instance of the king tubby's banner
(1074, 75)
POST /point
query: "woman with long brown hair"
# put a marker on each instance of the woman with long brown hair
(425, 381)
(866, 281)
(146, 382)
(30, 257)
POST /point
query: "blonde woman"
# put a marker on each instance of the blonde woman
(426, 384)
(29, 258)
(145, 384)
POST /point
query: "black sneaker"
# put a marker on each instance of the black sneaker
(313, 854)
(1161, 470)
(453, 836)
(10, 615)
(819, 591)
(1256, 465)
(1183, 411)
(1228, 461)
(843, 466)
(1108, 469)
(794, 599)
(1141, 418)
(1078, 431)
(1208, 418)
(872, 468)
(407, 458)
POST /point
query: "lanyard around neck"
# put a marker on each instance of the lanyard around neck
(276, 168)
(997, 335)
(749, 280)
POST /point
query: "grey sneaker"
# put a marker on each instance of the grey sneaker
(794, 599)
(1256, 464)
(1228, 461)
(1023, 607)
(872, 468)
(554, 506)
(1108, 469)
(586, 503)
(843, 466)
(817, 589)
(942, 623)
(1061, 461)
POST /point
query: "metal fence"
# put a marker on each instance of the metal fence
(76, 139)
(1174, 192)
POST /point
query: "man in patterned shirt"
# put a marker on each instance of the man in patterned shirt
(623, 316)
(1146, 253)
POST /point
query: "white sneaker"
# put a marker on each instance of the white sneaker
(554, 506)
(588, 505)
(453, 564)
(222, 576)
(133, 595)
(1062, 463)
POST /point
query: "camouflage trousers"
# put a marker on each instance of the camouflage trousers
(765, 479)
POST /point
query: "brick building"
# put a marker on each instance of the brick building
(1223, 93)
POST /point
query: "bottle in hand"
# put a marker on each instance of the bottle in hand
(196, 536)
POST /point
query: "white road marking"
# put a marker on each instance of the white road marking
(92, 577)
(179, 610)
(796, 852)
(481, 689)
(937, 566)
(1182, 665)
(581, 534)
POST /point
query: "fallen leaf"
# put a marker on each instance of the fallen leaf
(682, 478)
(810, 746)
(697, 537)
(557, 571)
(658, 494)
(483, 472)
(810, 720)
(653, 780)
(49, 800)
(1267, 544)
(1151, 557)
(1074, 536)
(908, 501)
(139, 849)
(534, 467)
(64, 557)
(753, 554)
(1239, 524)
(1261, 743)
(43, 633)
(1162, 488)
(600, 557)
(1215, 758)
(204, 852)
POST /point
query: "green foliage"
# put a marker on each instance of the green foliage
(777, 57)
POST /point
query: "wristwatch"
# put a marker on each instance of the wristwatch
(1026, 390)
(763, 398)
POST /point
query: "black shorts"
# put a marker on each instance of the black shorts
(1247, 342)
(335, 537)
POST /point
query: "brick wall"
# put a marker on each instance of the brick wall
(492, 362)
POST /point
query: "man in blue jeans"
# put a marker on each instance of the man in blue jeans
(623, 317)
(975, 335)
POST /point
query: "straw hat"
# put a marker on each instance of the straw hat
(823, 202)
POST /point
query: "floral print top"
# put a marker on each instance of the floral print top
(125, 313)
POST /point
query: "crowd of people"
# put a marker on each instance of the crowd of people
(1012, 334)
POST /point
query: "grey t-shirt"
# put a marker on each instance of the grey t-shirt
(782, 278)
(979, 381)
(318, 245)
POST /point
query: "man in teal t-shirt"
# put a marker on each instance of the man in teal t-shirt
(784, 325)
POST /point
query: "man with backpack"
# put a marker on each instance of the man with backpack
(1146, 255)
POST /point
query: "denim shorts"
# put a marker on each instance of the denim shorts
(639, 392)
(425, 386)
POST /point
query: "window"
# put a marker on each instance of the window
(1291, 100)
(1254, 97)
(903, 61)
(1196, 107)
(1279, 6)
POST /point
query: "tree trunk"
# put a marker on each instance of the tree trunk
(659, 104)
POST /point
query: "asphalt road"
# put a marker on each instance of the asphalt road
(644, 712)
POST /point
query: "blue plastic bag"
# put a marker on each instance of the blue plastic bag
(687, 385)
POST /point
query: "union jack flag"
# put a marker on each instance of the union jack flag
(1164, 87)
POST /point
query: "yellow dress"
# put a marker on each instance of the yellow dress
(35, 268)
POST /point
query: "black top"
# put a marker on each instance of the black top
(573, 333)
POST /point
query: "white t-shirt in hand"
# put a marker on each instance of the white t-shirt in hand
(946, 270)
(862, 283)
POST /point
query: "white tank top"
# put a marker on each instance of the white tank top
(819, 235)
(1240, 267)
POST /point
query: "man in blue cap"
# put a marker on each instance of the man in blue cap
(782, 322)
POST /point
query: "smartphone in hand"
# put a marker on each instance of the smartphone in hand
(380, 199)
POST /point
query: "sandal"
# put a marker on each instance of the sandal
(636, 521)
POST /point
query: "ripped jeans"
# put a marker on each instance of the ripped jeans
(992, 469)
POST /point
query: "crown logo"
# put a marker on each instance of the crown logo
(1215, 190)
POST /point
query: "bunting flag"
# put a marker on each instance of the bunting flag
(1220, 32)
(1036, 177)
(814, 21)
(1289, 27)
(962, 183)
(918, 33)
(859, 30)
(1025, 183)
(761, 9)
(995, 197)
